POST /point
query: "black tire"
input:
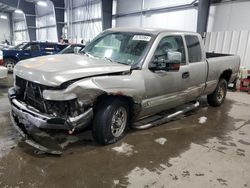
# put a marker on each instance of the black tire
(218, 96)
(103, 130)
(10, 64)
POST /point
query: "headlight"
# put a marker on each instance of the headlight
(58, 95)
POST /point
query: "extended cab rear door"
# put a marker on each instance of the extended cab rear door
(195, 77)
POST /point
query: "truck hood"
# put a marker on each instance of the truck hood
(54, 70)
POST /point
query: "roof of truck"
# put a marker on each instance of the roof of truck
(154, 31)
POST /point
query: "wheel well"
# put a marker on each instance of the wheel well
(134, 108)
(226, 75)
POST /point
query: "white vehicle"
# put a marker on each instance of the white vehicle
(3, 72)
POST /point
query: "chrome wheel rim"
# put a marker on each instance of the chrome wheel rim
(221, 94)
(119, 121)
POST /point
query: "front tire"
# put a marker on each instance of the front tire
(218, 96)
(110, 121)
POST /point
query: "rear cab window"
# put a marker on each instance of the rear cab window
(193, 48)
(49, 48)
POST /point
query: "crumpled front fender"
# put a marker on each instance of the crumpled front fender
(88, 89)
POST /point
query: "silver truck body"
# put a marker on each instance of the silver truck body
(88, 78)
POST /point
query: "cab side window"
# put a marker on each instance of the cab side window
(169, 47)
(194, 48)
(33, 47)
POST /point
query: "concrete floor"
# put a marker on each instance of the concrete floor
(208, 148)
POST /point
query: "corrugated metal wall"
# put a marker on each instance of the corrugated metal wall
(185, 19)
(46, 23)
(5, 28)
(230, 42)
(20, 28)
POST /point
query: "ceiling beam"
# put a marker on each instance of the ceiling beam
(59, 13)
(107, 14)
(203, 13)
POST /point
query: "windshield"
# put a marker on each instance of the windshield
(20, 46)
(125, 48)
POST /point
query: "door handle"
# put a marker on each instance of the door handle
(185, 75)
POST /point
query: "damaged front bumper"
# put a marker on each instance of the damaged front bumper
(32, 124)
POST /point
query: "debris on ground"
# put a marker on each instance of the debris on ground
(161, 141)
(116, 182)
(202, 120)
(124, 149)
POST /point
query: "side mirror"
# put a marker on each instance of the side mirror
(170, 62)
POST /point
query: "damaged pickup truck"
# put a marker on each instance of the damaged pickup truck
(124, 77)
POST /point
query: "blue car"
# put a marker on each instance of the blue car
(27, 50)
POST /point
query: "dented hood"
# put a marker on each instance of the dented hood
(56, 69)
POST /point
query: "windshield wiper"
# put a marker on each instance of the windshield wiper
(114, 61)
(109, 59)
(85, 53)
(121, 63)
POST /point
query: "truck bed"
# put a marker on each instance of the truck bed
(217, 63)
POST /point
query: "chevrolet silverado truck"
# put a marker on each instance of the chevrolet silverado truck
(125, 77)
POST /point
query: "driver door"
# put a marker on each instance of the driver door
(164, 89)
(32, 50)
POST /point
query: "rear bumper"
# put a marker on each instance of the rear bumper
(31, 123)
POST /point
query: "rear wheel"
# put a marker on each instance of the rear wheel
(110, 121)
(10, 64)
(218, 96)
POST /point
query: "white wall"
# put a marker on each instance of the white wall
(179, 20)
(46, 28)
(230, 42)
(233, 16)
(46, 23)
(222, 17)
(81, 29)
(20, 28)
(229, 30)
(5, 28)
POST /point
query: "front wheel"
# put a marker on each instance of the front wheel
(218, 96)
(110, 120)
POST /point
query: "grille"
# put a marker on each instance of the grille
(31, 93)
(21, 83)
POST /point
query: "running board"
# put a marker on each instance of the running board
(157, 120)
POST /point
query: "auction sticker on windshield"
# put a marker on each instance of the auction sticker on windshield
(142, 37)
